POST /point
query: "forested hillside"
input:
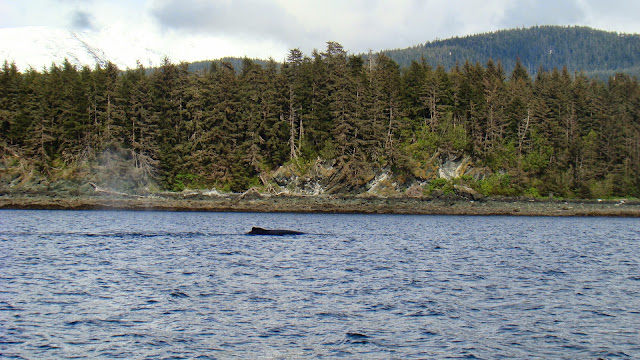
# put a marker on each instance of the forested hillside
(598, 53)
(230, 128)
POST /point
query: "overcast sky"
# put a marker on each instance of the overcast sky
(209, 29)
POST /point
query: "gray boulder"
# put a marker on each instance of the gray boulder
(467, 192)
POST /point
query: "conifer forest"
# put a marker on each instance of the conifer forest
(555, 132)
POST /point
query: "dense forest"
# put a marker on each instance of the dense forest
(598, 53)
(556, 132)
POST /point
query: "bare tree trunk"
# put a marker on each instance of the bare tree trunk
(292, 126)
(389, 130)
(522, 134)
(301, 135)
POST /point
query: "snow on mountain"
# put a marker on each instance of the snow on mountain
(39, 47)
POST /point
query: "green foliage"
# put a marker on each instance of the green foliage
(329, 150)
(502, 157)
(603, 188)
(229, 122)
(537, 159)
(424, 146)
(185, 181)
(532, 192)
(442, 184)
(497, 184)
(457, 137)
(597, 52)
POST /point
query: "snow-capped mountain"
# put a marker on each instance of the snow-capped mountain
(39, 47)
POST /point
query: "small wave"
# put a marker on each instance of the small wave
(134, 336)
(177, 311)
(357, 338)
(422, 313)
(619, 354)
(158, 343)
(600, 313)
(261, 299)
(178, 294)
(333, 315)
(381, 306)
(509, 328)
(277, 331)
(11, 342)
(70, 293)
(429, 333)
(230, 253)
(130, 234)
(149, 234)
(5, 306)
(554, 272)
(573, 347)
(79, 322)
(469, 356)
(94, 322)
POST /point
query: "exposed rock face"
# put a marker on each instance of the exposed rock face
(383, 184)
(415, 191)
(424, 171)
(251, 194)
(295, 180)
(478, 173)
(452, 167)
(327, 177)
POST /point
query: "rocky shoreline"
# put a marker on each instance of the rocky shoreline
(324, 204)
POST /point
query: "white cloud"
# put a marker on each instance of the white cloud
(192, 29)
(358, 24)
(613, 15)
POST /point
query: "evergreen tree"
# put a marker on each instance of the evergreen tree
(142, 135)
(341, 96)
(272, 129)
(387, 113)
(227, 125)
(11, 92)
(292, 71)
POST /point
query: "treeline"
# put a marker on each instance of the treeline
(557, 133)
(578, 48)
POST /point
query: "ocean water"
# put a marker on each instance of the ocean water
(190, 285)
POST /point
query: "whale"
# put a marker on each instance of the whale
(277, 232)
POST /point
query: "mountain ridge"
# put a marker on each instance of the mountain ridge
(595, 52)
(598, 53)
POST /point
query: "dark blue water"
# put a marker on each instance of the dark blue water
(160, 285)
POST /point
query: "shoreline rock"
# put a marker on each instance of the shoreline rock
(326, 204)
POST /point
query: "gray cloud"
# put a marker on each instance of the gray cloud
(82, 20)
(249, 18)
(359, 24)
(543, 12)
(618, 15)
(375, 24)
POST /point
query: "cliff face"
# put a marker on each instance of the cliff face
(327, 177)
(321, 177)
(320, 186)
(317, 179)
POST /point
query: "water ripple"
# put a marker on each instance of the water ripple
(97, 284)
